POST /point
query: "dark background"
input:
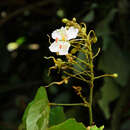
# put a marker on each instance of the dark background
(23, 70)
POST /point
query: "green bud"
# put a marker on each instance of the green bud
(84, 30)
(64, 20)
(95, 39)
(74, 19)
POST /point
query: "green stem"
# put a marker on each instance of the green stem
(91, 87)
(105, 75)
(90, 107)
(76, 76)
(75, 104)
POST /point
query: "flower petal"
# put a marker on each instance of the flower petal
(54, 47)
(64, 48)
(58, 33)
(72, 33)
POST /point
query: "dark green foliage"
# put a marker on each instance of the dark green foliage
(36, 115)
(69, 125)
(56, 116)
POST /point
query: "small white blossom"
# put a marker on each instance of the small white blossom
(72, 33)
(59, 33)
(60, 46)
(62, 37)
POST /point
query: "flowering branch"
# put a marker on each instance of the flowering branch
(70, 41)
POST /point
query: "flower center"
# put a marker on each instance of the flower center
(63, 38)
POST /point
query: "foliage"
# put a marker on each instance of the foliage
(56, 116)
(69, 125)
(36, 115)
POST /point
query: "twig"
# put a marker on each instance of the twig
(75, 104)
(75, 76)
(58, 83)
(21, 10)
(97, 53)
(107, 75)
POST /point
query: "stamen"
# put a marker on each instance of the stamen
(63, 38)
(56, 39)
(60, 46)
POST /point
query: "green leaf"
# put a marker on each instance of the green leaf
(41, 94)
(20, 40)
(70, 124)
(80, 56)
(56, 116)
(95, 128)
(89, 17)
(36, 115)
(103, 28)
(109, 92)
(113, 61)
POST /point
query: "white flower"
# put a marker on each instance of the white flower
(62, 37)
(64, 34)
(72, 33)
(60, 46)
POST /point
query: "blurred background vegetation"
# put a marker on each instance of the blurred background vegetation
(26, 23)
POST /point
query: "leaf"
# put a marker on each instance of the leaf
(80, 64)
(109, 92)
(125, 125)
(56, 116)
(103, 28)
(36, 115)
(20, 40)
(89, 17)
(95, 128)
(70, 124)
(113, 61)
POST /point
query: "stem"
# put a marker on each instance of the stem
(75, 104)
(76, 76)
(58, 83)
(90, 107)
(97, 53)
(21, 10)
(105, 75)
(91, 86)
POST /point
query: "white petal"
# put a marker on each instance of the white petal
(72, 33)
(54, 47)
(58, 33)
(64, 48)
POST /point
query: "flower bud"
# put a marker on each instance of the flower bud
(95, 39)
(83, 30)
(64, 20)
(115, 75)
(74, 19)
